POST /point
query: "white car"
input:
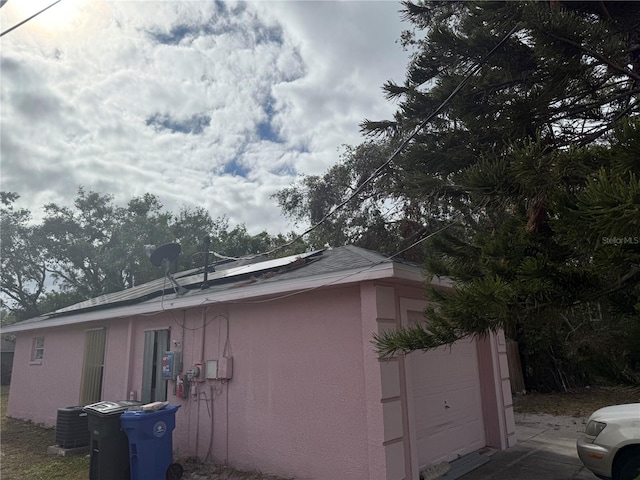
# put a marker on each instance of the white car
(610, 446)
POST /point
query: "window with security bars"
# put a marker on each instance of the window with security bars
(93, 366)
(37, 349)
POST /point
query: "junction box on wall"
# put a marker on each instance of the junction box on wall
(225, 368)
(212, 369)
(171, 364)
(220, 369)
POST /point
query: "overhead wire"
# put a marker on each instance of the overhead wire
(418, 242)
(344, 277)
(470, 73)
(210, 302)
(28, 19)
(200, 327)
(339, 279)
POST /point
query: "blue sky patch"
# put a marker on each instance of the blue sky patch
(235, 169)
(266, 132)
(175, 35)
(194, 125)
(265, 128)
(222, 21)
(265, 34)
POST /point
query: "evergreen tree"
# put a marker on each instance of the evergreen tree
(535, 165)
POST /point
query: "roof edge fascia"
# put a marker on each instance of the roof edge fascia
(416, 274)
(380, 271)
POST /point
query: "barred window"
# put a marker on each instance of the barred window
(37, 349)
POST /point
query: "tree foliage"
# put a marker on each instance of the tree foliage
(531, 167)
(22, 267)
(371, 211)
(95, 247)
(538, 158)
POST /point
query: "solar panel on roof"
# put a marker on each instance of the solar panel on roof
(248, 269)
(156, 287)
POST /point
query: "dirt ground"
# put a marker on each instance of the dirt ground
(23, 456)
(195, 470)
(580, 402)
(23, 444)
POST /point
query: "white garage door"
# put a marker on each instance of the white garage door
(447, 407)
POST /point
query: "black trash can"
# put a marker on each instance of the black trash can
(108, 444)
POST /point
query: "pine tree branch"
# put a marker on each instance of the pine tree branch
(621, 286)
(605, 11)
(566, 113)
(590, 138)
(597, 56)
(605, 83)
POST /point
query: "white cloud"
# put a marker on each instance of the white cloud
(199, 103)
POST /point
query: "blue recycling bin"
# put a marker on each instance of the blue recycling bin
(150, 443)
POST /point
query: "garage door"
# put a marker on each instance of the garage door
(445, 388)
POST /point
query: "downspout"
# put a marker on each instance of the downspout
(206, 241)
(127, 381)
(204, 331)
(184, 319)
(201, 361)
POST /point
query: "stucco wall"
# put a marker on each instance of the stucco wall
(39, 389)
(308, 398)
(295, 405)
(296, 400)
(496, 391)
(55, 381)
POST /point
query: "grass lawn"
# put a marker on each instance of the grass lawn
(23, 451)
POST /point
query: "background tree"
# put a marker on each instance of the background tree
(381, 217)
(95, 247)
(22, 265)
(80, 244)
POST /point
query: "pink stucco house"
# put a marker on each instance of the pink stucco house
(300, 390)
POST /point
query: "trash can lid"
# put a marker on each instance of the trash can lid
(139, 414)
(110, 408)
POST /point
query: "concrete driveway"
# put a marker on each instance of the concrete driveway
(546, 450)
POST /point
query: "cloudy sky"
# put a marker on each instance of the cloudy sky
(198, 102)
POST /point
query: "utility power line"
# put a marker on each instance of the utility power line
(472, 71)
(26, 20)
